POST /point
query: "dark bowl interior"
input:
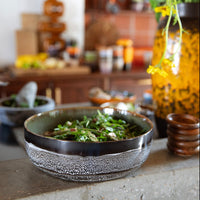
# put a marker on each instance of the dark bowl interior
(36, 125)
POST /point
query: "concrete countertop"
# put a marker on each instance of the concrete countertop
(162, 176)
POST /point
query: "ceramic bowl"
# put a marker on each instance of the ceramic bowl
(119, 105)
(115, 96)
(86, 161)
(15, 116)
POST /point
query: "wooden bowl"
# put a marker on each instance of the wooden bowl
(183, 134)
(183, 121)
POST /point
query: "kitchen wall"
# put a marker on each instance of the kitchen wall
(137, 26)
(140, 27)
(10, 21)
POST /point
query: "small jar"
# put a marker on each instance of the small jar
(128, 53)
(118, 60)
(105, 60)
(91, 59)
(74, 55)
(183, 134)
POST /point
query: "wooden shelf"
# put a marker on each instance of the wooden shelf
(71, 88)
(72, 70)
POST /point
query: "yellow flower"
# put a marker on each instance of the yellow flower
(161, 68)
(166, 63)
(164, 10)
(151, 69)
(156, 69)
(163, 73)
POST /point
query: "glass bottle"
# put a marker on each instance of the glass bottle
(118, 60)
(179, 91)
(128, 53)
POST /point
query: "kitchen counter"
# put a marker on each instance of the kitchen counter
(162, 176)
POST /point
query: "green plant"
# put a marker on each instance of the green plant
(167, 8)
(158, 3)
(100, 127)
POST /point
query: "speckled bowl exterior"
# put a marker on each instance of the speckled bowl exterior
(85, 161)
(15, 116)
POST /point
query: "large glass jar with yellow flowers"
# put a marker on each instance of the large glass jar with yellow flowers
(175, 62)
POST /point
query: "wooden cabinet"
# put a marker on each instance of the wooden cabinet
(75, 88)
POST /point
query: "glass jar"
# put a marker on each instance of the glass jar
(105, 56)
(179, 91)
(118, 60)
(128, 53)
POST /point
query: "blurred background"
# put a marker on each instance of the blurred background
(129, 19)
(64, 45)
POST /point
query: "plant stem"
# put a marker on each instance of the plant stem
(180, 29)
(166, 36)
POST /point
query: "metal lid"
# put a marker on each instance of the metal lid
(190, 10)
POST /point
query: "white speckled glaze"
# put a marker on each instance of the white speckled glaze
(87, 168)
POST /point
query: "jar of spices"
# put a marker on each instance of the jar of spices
(118, 60)
(128, 52)
(105, 57)
(179, 91)
(74, 54)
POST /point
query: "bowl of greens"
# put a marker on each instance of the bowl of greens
(88, 143)
(12, 114)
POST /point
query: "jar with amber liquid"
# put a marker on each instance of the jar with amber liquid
(179, 91)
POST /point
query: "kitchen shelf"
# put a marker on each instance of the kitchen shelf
(75, 87)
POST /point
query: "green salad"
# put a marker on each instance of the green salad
(98, 128)
(13, 103)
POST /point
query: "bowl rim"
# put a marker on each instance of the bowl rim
(120, 145)
(7, 108)
(172, 120)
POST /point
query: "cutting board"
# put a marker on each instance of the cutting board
(52, 72)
